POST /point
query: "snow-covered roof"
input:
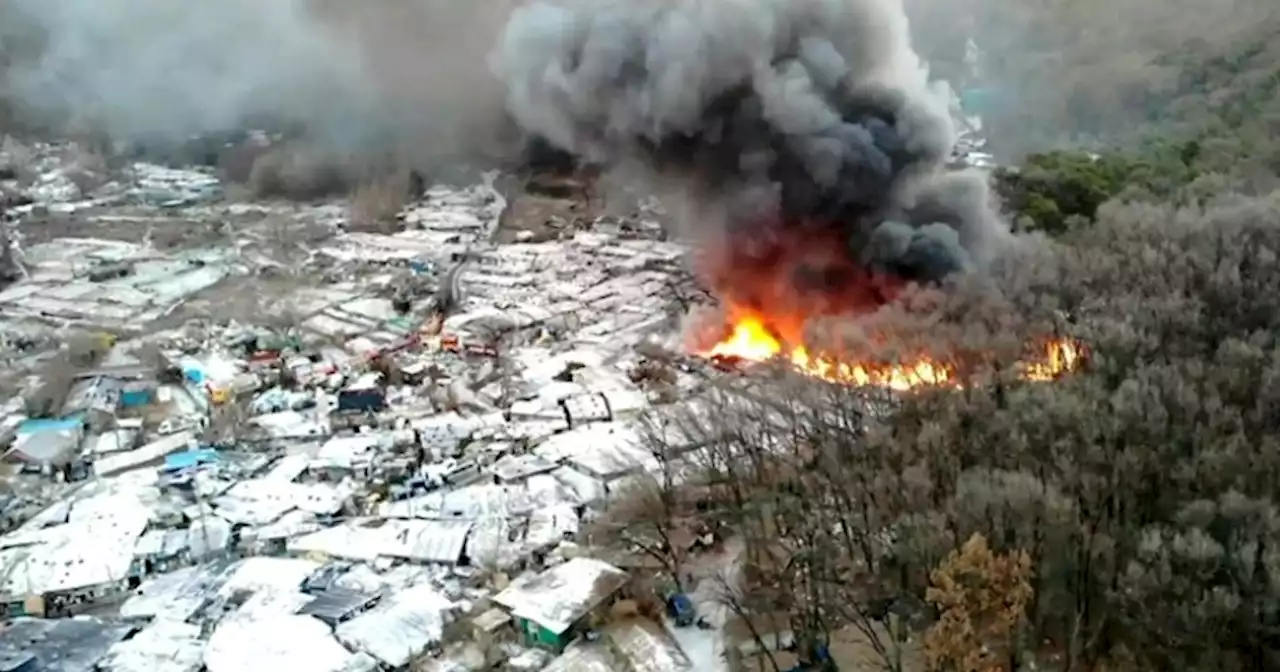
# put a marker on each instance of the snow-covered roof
(262, 572)
(286, 642)
(111, 441)
(602, 449)
(420, 540)
(94, 547)
(559, 596)
(174, 596)
(167, 646)
(400, 628)
(114, 463)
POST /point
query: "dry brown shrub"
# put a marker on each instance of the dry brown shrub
(236, 163)
(18, 159)
(296, 172)
(375, 204)
(983, 598)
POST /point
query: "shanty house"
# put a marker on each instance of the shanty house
(552, 608)
(66, 567)
(49, 446)
(95, 399)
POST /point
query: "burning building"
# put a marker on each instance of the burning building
(800, 143)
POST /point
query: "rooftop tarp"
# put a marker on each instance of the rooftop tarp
(189, 458)
(33, 425)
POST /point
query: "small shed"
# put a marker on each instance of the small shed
(551, 608)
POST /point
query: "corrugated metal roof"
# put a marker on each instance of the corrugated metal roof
(396, 630)
(433, 541)
(421, 540)
(562, 594)
(336, 605)
(61, 644)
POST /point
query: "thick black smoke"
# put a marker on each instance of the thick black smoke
(814, 116)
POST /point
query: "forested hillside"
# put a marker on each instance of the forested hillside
(1173, 102)
(1094, 71)
(1125, 516)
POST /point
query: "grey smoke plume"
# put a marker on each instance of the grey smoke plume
(801, 118)
(404, 74)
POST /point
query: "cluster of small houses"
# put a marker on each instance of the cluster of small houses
(142, 511)
(347, 522)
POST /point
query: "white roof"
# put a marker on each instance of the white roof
(345, 451)
(94, 548)
(174, 596)
(112, 441)
(550, 525)
(124, 461)
(399, 629)
(264, 500)
(289, 642)
(481, 501)
(604, 449)
(166, 646)
(263, 572)
(562, 594)
(420, 540)
(288, 467)
(292, 424)
(291, 524)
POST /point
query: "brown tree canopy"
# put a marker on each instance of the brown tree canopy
(1142, 489)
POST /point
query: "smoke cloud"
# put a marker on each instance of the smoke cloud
(810, 126)
(408, 75)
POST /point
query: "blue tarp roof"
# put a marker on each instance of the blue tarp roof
(189, 458)
(33, 425)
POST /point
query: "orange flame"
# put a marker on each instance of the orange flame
(752, 340)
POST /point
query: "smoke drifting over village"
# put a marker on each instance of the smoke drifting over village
(404, 75)
(803, 124)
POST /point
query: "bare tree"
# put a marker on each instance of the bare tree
(652, 515)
